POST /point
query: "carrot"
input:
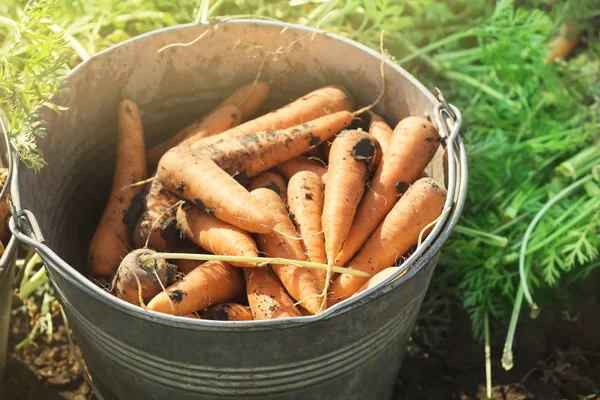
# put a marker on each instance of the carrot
(304, 312)
(147, 207)
(323, 101)
(412, 146)
(135, 281)
(247, 156)
(217, 121)
(300, 163)
(380, 130)
(110, 241)
(421, 204)
(249, 98)
(211, 283)
(563, 43)
(266, 295)
(199, 180)
(270, 180)
(349, 163)
(305, 201)
(214, 235)
(324, 178)
(299, 282)
(379, 277)
(228, 312)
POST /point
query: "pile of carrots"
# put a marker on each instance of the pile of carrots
(302, 185)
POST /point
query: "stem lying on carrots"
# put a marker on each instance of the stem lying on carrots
(254, 260)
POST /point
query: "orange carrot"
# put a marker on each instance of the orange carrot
(421, 204)
(110, 241)
(199, 180)
(304, 312)
(563, 43)
(214, 235)
(228, 312)
(323, 101)
(380, 130)
(299, 282)
(379, 277)
(217, 121)
(249, 98)
(301, 163)
(211, 283)
(411, 148)
(267, 296)
(305, 200)
(270, 180)
(247, 156)
(349, 163)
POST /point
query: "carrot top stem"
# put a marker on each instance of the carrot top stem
(149, 259)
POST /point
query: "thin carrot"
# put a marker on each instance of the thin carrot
(199, 180)
(110, 241)
(247, 156)
(380, 130)
(323, 101)
(249, 98)
(412, 146)
(350, 159)
(270, 180)
(211, 283)
(305, 201)
(299, 282)
(421, 204)
(267, 296)
(214, 235)
(228, 312)
(300, 163)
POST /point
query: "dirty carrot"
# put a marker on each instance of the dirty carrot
(217, 121)
(301, 163)
(136, 281)
(563, 43)
(350, 160)
(199, 180)
(412, 146)
(380, 130)
(249, 98)
(270, 180)
(320, 102)
(305, 201)
(267, 296)
(299, 282)
(421, 204)
(211, 283)
(110, 241)
(214, 235)
(247, 156)
(228, 312)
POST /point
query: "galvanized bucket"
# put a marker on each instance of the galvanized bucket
(7, 260)
(351, 351)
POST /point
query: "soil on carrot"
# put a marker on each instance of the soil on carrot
(557, 356)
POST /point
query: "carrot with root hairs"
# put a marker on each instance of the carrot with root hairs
(421, 204)
(199, 180)
(305, 201)
(380, 130)
(247, 156)
(412, 146)
(270, 180)
(211, 283)
(349, 164)
(299, 282)
(249, 98)
(109, 243)
(214, 235)
(267, 297)
(301, 163)
(320, 102)
(217, 121)
(136, 282)
(228, 312)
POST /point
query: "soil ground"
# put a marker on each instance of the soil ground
(557, 356)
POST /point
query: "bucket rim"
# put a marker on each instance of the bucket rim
(82, 283)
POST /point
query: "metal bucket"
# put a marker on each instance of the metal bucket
(351, 351)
